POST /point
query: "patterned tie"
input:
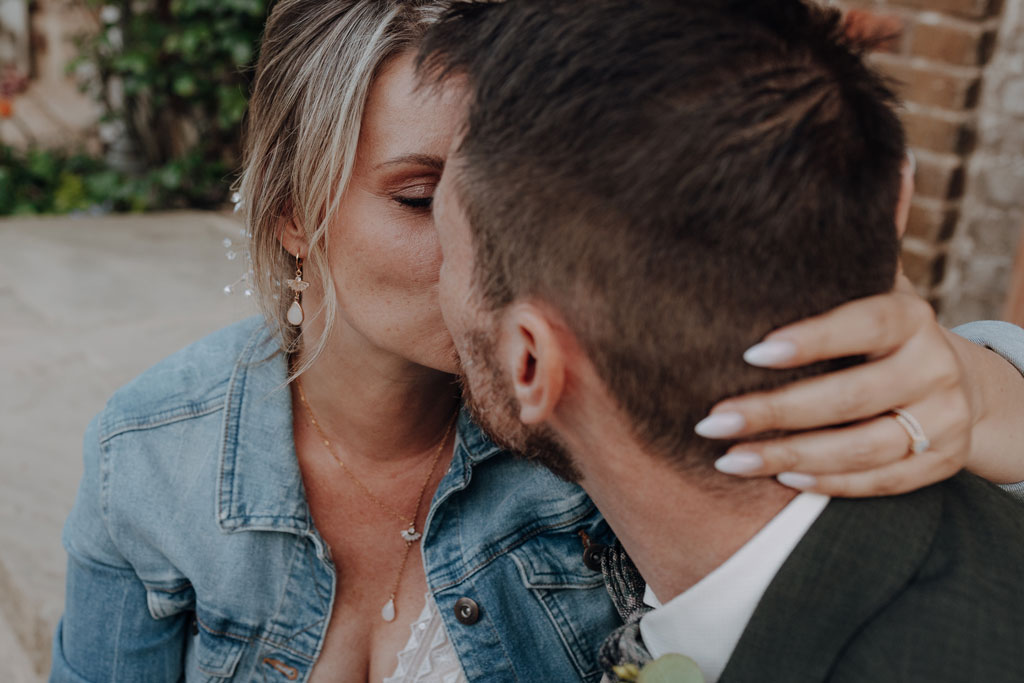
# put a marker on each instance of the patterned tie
(626, 588)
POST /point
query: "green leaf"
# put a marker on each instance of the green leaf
(671, 669)
(103, 185)
(185, 86)
(170, 176)
(43, 165)
(24, 208)
(241, 51)
(131, 62)
(231, 104)
(70, 194)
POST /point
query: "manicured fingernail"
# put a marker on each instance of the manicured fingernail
(721, 425)
(795, 480)
(739, 463)
(770, 353)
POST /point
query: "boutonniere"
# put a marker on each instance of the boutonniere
(665, 669)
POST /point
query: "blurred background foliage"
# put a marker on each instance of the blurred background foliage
(172, 77)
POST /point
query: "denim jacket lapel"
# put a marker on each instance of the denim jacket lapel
(260, 485)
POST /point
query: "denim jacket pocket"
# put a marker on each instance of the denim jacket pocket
(572, 595)
(555, 559)
(218, 645)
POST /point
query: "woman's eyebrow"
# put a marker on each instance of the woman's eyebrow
(428, 160)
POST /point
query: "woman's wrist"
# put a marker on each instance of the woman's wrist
(996, 391)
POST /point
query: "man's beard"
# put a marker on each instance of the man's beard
(491, 403)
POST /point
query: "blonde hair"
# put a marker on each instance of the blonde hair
(317, 62)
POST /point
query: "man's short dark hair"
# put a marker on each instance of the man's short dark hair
(677, 177)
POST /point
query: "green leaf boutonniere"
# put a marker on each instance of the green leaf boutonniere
(666, 669)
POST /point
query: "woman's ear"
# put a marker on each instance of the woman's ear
(292, 237)
(906, 193)
(535, 357)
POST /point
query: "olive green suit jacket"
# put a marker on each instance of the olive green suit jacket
(927, 587)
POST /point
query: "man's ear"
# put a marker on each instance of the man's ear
(535, 356)
(292, 237)
(906, 193)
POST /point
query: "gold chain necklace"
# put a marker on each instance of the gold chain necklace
(410, 535)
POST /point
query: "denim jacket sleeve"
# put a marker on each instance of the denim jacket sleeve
(107, 632)
(1008, 341)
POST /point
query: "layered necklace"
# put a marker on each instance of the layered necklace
(408, 531)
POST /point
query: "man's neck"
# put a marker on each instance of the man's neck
(677, 526)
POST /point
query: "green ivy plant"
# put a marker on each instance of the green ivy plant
(40, 181)
(173, 76)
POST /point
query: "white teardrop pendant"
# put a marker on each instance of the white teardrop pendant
(295, 316)
(388, 611)
(411, 534)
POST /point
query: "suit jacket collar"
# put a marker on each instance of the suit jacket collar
(853, 561)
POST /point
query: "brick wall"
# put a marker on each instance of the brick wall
(950, 57)
(982, 252)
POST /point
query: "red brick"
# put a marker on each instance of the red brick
(924, 270)
(974, 9)
(939, 177)
(937, 133)
(956, 43)
(885, 30)
(930, 85)
(933, 224)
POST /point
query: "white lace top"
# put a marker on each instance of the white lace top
(428, 657)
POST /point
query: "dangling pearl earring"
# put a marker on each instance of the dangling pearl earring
(295, 314)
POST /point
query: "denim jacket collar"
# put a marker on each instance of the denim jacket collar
(261, 490)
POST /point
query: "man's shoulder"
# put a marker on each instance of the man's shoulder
(960, 615)
(919, 587)
(187, 383)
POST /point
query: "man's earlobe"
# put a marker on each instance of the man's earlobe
(536, 358)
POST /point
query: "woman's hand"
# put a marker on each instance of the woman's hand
(913, 364)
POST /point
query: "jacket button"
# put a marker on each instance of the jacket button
(592, 556)
(467, 611)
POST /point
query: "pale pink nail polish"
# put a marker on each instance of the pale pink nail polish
(721, 425)
(739, 463)
(769, 354)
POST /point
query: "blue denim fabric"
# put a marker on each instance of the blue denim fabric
(192, 554)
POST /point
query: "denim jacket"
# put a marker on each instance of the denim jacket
(193, 555)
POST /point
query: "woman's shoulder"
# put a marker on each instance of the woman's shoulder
(191, 381)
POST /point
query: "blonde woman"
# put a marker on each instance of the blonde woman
(300, 496)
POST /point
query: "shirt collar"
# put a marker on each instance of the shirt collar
(471, 437)
(260, 483)
(706, 621)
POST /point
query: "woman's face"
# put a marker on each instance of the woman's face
(383, 253)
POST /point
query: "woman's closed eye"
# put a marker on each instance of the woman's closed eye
(419, 197)
(421, 203)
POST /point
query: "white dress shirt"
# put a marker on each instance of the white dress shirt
(706, 621)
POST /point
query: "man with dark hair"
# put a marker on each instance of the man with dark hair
(642, 191)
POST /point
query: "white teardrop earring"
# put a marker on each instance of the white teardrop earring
(295, 313)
